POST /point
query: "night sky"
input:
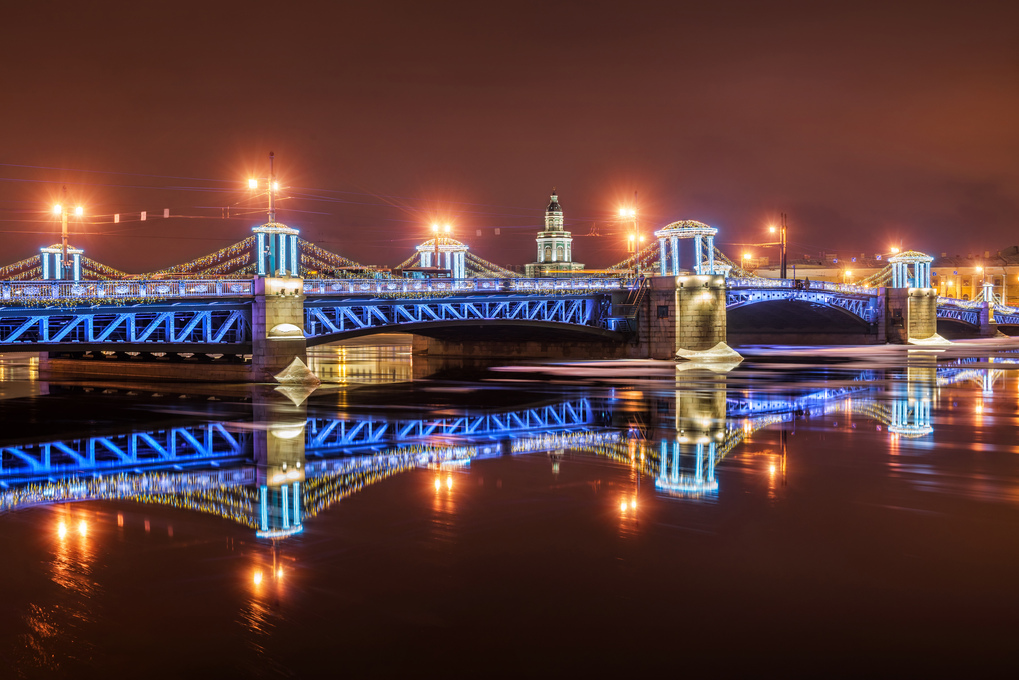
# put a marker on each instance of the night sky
(870, 124)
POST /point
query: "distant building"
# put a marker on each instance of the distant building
(956, 276)
(555, 246)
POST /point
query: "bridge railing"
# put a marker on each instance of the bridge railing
(446, 286)
(826, 286)
(41, 291)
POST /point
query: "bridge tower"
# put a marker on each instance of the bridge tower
(703, 237)
(52, 258)
(275, 243)
(277, 316)
(445, 253)
(911, 303)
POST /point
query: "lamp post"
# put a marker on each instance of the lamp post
(435, 228)
(782, 245)
(59, 209)
(635, 238)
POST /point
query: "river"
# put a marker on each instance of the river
(814, 511)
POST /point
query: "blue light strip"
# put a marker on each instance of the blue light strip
(285, 503)
(263, 505)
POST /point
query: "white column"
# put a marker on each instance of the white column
(674, 240)
(662, 254)
(697, 254)
(260, 247)
(711, 255)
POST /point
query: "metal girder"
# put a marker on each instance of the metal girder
(967, 316)
(331, 317)
(157, 325)
(179, 445)
(1006, 319)
(858, 305)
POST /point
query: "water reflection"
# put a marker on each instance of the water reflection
(283, 465)
(375, 360)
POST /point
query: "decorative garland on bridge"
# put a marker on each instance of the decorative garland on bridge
(14, 272)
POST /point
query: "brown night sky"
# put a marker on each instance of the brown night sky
(868, 123)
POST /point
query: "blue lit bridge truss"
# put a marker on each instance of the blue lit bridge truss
(330, 319)
(961, 311)
(858, 301)
(212, 326)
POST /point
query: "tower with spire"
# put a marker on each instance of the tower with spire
(555, 245)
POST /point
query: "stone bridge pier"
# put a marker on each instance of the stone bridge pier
(277, 326)
(684, 312)
(910, 314)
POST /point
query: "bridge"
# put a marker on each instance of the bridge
(226, 305)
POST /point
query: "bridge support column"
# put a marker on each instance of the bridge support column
(912, 314)
(988, 326)
(683, 313)
(277, 320)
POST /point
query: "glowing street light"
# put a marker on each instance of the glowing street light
(635, 238)
(895, 251)
(435, 228)
(781, 230)
(58, 209)
(252, 184)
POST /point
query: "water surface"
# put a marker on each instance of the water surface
(803, 512)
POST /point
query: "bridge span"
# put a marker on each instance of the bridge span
(275, 319)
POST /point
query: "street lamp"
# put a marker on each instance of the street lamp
(435, 228)
(635, 238)
(781, 229)
(58, 209)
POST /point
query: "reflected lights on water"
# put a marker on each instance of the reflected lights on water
(361, 364)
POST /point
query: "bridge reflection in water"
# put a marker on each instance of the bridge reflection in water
(274, 472)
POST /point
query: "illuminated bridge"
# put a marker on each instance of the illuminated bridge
(216, 315)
